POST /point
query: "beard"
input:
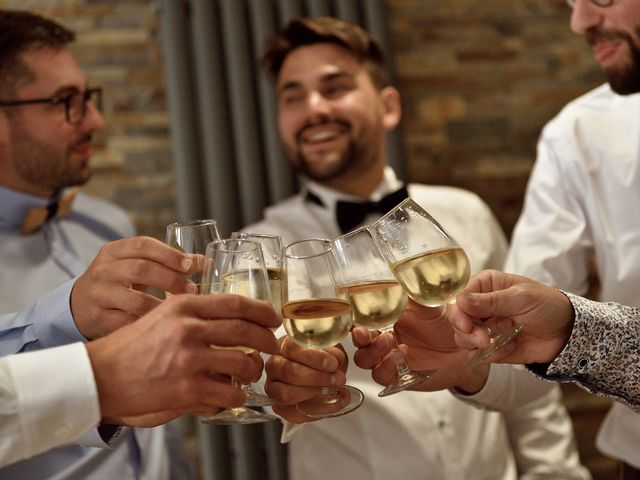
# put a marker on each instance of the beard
(361, 152)
(38, 165)
(626, 80)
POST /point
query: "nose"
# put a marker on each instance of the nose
(93, 120)
(318, 105)
(585, 16)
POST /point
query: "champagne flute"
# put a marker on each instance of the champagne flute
(236, 266)
(272, 252)
(192, 237)
(428, 263)
(377, 300)
(316, 315)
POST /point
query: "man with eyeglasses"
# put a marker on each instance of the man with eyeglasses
(579, 209)
(47, 237)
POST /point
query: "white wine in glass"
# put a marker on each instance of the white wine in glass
(235, 266)
(376, 297)
(271, 246)
(317, 315)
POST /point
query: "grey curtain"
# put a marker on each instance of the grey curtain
(226, 152)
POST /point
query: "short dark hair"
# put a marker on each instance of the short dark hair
(308, 31)
(21, 31)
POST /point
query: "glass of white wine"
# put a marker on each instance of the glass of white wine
(192, 237)
(237, 267)
(377, 300)
(272, 252)
(317, 315)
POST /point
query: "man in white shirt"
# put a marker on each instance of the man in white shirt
(144, 374)
(579, 206)
(334, 106)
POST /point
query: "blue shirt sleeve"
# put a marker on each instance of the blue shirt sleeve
(47, 322)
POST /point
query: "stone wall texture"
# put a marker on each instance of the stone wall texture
(478, 82)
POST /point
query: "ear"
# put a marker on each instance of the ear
(392, 108)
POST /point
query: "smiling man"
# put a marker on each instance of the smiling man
(335, 104)
(580, 204)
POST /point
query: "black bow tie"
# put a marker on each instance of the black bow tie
(352, 214)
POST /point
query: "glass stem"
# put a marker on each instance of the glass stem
(398, 358)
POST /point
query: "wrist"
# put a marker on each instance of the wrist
(474, 380)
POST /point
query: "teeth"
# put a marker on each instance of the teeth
(321, 136)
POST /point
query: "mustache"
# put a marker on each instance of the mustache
(324, 121)
(598, 35)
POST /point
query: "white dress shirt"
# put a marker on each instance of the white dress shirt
(419, 435)
(47, 398)
(580, 209)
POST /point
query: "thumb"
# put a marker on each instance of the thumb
(484, 305)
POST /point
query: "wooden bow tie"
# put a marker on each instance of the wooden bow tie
(38, 216)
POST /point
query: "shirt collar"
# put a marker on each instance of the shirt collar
(389, 183)
(14, 205)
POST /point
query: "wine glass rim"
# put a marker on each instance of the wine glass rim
(242, 235)
(366, 228)
(406, 201)
(251, 245)
(193, 223)
(325, 241)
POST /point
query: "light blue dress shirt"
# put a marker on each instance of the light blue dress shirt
(45, 264)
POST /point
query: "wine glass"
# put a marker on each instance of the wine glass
(377, 300)
(272, 252)
(428, 262)
(236, 266)
(192, 237)
(316, 315)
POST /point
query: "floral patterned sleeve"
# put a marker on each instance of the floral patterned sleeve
(603, 352)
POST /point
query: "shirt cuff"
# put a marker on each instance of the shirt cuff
(57, 396)
(494, 392)
(52, 318)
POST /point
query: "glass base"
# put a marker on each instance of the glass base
(238, 415)
(255, 399)
(406, 380)
(332, 402)
(497, 342)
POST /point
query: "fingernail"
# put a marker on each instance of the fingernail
(186, 263)
(191, 288)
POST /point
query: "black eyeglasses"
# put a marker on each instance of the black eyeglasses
(75, 103)
(600, 3)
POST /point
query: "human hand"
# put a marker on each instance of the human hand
(297, 374)
(500, 300)
(163, 364)
(111, 293)
(426, 341)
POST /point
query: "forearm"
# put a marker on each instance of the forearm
(603, 352)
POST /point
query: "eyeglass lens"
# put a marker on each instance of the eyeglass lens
(77, 104)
